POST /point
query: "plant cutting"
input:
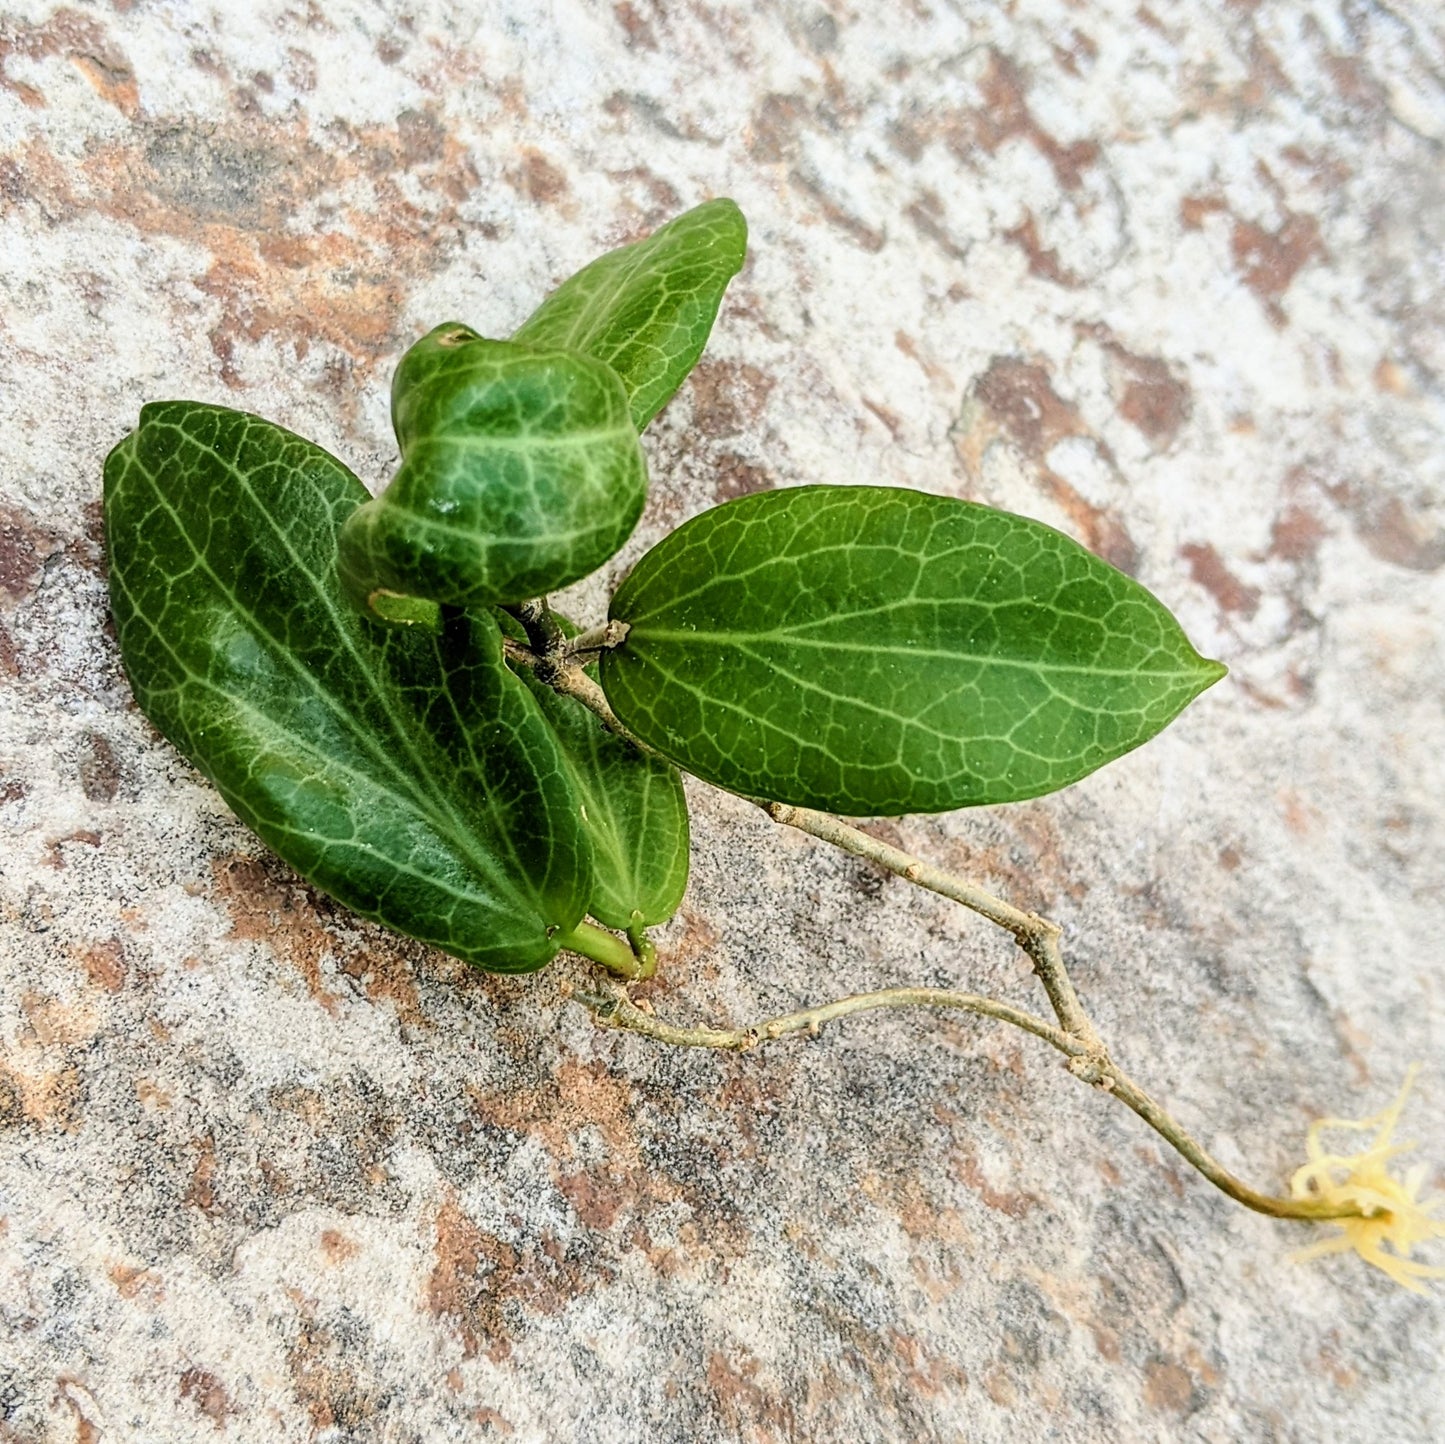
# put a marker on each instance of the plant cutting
(380, 689)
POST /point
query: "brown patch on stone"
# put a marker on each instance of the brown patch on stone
(1168, 1388)
(966, 1169)
(1395, 534)
(138, 1283)
(580, 1095)
(233, 190)
(926, 213)
(99, 769)
(25, 547)
(930, 368)
(920, 1216)
(539, 179)
(1043, 260)
(201, 1191)
(386, 970)
(773, 133)
(638, 27)
(869, 237)
(1392, 378)
(1193, 210)
(600, 1196)
(1005, 115)
(1209, 571)
(1148, 394)
(337, 1248)
(49, 1098)
(12, 789)
(1296, 535)
(476, 1276)
(747, 1410)
(892, 422)
(55, 852)
(728, 396)
(325, 1381)
(152, 1095)
(85, 44)
(1270, 260)
(736, 477)
(12, 1100)
(1019, 395)
(104, 963)
(207, 1393)
(1154, 402)
(266, 908)
(56, 1023)
(1078, 54)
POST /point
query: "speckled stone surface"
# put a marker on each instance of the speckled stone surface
(1170, 277)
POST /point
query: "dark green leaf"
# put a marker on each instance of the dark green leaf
(520, 473)
(633, 807)
(877, 651)
(646, 309)
(408, 774)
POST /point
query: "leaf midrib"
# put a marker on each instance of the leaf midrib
(739, 639)
(446, 820)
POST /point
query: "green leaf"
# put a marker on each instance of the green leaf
(877, 651)
(408, 774)
(633, 808)
(520, 473)
(646, 309)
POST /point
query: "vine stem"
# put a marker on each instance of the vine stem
(1038, 937)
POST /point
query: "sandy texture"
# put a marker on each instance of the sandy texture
(1167, 276)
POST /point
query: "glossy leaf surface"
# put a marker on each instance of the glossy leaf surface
(408, 774)
(647, 309)
(876, 651)
(634, 810)
(520, 472)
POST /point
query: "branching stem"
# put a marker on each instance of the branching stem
(555, 661)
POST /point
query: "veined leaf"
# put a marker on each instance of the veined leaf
(633, 809)
(646, 309)
(877, 651)
(410, 775)
(520, 472)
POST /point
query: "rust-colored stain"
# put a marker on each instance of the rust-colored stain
(1043, 260)
(485, 1287)
(1168, 1387)
(728, 397)
(1005, 115)
(81, 40)
(204, 1390)
(747, 1409)
(1270, 260)
(25, 546)
(268, 907)
(104, 964)
(1208, 569)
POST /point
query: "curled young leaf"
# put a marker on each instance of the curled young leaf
(646, 309)
(520, 472)
(409, 774)
(634, 810)
(873, 651)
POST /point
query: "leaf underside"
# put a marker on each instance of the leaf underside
(646, 309)
(875, 651)
(409, 774)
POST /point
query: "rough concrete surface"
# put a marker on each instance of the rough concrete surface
(1169, 276)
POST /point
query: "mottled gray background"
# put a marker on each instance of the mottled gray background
(1168, 276)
